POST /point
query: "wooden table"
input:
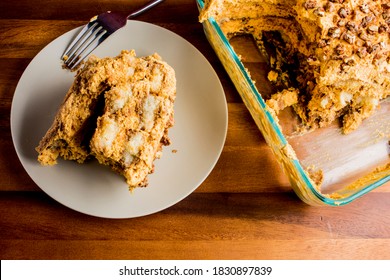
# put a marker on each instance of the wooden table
(245, 209)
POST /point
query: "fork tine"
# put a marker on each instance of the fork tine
(87, 47)
(83, 43)
(81, 36)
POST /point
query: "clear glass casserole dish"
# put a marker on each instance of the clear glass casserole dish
(349, 165)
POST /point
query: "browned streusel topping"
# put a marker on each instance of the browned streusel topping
(365, 29)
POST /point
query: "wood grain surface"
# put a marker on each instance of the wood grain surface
(245, 209)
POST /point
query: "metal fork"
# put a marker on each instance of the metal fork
(96, 31)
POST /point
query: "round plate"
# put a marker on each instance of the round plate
(197, 138)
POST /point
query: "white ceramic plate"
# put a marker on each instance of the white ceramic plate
(198, 135)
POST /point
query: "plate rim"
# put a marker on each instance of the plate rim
(178, 199)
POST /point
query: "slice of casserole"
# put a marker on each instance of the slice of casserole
(118, 110)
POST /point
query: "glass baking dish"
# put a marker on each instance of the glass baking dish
(349, 165)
